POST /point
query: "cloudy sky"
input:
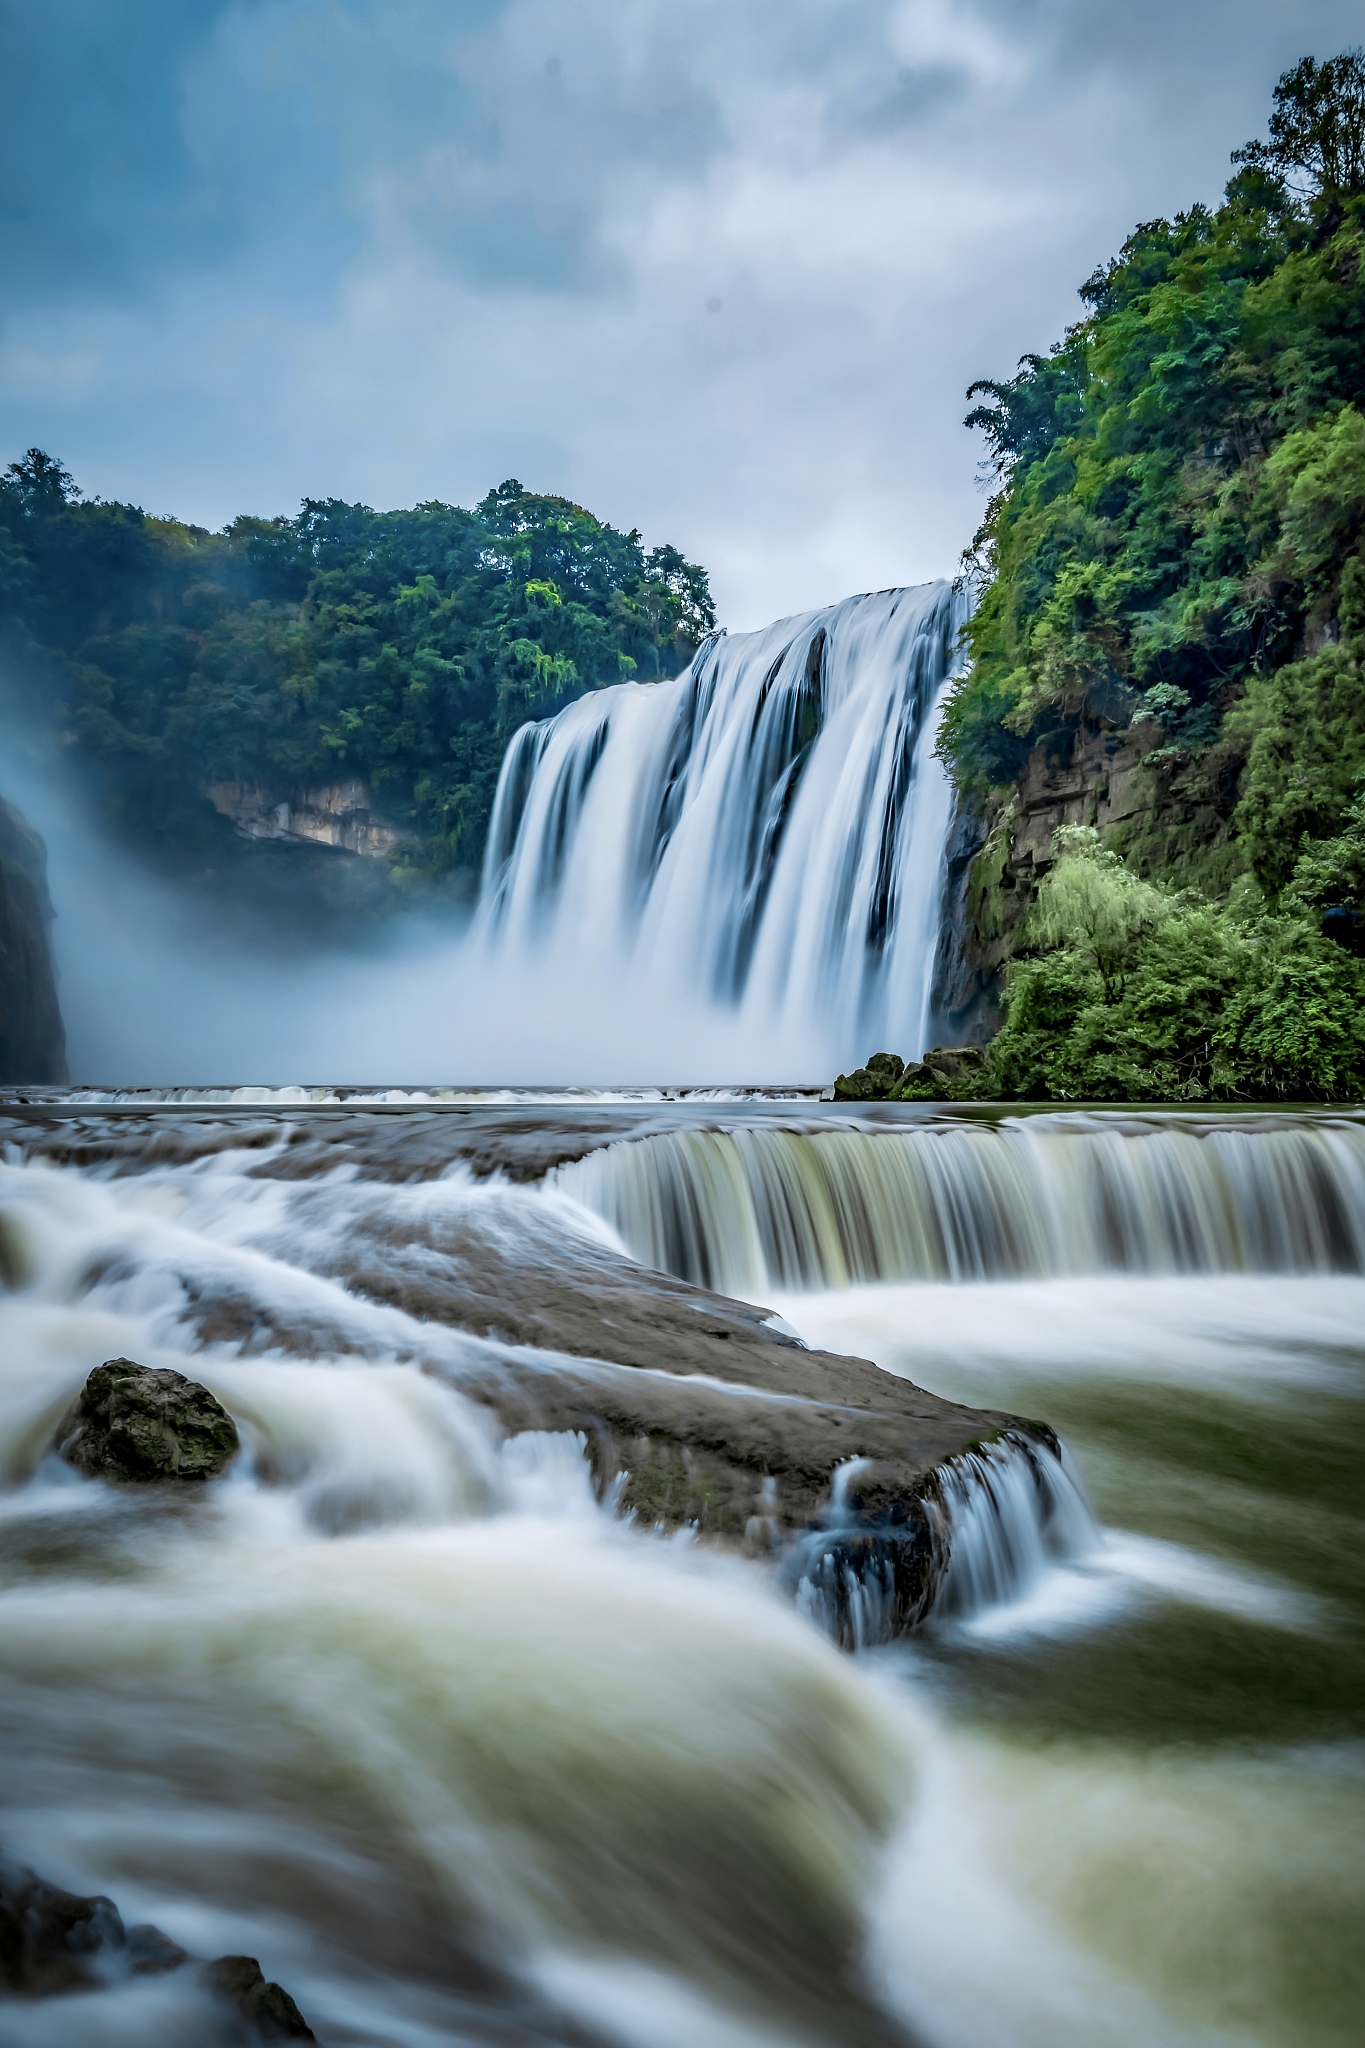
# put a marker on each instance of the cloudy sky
(719, 269)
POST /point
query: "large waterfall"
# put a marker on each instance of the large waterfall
(760, 839)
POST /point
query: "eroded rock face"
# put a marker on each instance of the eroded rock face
(133, 1424)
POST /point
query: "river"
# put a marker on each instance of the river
(409, 1708)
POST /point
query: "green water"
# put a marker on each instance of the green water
(1174, 1782)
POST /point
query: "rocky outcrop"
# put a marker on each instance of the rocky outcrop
(54, 1942)
(138, 1426)
(693, 1407)
(337, 814)
(267, 2008)
(32, 1041)
(997, 854)
(888, 1078)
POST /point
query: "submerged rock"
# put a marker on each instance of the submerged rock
(134, 1424)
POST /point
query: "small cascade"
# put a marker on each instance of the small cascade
(1012, 1511)
(751, 1210)
(1003, 1516)
(763, 837)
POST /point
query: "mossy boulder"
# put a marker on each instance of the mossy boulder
(878, 1081)
(947, 1071)
(136, 1425)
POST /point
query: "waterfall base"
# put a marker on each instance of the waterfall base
(987, 1525)
(693, 1408)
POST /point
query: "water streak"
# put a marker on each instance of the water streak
(764, 834)
(747, 1211)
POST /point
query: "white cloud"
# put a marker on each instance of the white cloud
(451, 245)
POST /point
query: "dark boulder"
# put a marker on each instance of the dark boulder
(878, 1081)
(53, 1941)
(136, 1425)
(267, 2008)
(954, 1062)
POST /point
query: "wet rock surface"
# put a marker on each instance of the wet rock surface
(136, 1426)
(54, 1942)
(694, 1410)
(267, 2008)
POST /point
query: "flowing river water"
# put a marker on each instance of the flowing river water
(409, 1709)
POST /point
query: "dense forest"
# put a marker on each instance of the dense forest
(403, 648)
(1172, 567)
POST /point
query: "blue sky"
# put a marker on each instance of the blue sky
(717, 268)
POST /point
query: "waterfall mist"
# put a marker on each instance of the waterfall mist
(735, 876)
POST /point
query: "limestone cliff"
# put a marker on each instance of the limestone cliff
(32, 1041)
(338, 814)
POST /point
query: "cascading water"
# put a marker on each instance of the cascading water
(402, 1707)
(756, 1209)
(761, 838)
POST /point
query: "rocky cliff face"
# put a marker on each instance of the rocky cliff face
(339, 814)
(998, 852)
(32, 1041)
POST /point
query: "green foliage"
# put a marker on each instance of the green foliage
(1136, 995)
(404, 647)
(1317, 129)
(1176, 551)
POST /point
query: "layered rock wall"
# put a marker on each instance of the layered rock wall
(339, 814)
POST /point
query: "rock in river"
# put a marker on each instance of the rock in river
(133, 1423)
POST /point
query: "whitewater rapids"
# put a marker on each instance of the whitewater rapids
(404, 1709)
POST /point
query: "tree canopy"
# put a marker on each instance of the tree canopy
(404, 647)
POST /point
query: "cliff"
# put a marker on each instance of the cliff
(1001, 846)
(1157, 877)
(32, 1041)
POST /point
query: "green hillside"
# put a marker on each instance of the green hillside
(1173, 562)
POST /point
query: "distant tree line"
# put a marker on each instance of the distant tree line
(404, 647)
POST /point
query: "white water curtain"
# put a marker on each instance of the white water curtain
(760, 841)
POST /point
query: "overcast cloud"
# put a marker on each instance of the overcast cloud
(720, 269)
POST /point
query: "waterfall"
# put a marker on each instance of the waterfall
(1004, 1516)
(744, 1211)
(762, 837)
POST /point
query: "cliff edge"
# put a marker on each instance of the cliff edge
(32, 1040)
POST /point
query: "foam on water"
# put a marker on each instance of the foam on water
(404, 1710)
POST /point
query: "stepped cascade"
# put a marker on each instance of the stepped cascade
(762, 835)
(754, 1209)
